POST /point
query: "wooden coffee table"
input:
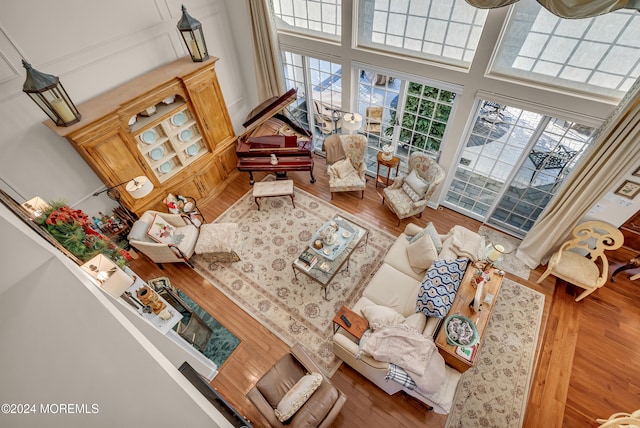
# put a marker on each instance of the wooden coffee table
(464, 296)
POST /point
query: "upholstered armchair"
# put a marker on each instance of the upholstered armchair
(581, 260)
(269, 395)
(164, 237)
(409, 194)
(345, 163)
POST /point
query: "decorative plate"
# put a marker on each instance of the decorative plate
(165, 167)
(185, 135)
(179, 119)
(192, 150)
(156, 153)
(149, 136)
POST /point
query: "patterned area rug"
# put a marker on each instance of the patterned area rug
(494, 392)
(263, 283)
(509, 263)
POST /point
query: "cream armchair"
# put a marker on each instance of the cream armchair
(577, 259)
(179, 248)
(345, 163)
(409, 194)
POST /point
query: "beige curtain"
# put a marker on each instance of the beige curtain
(616, 149)
(567, 8)
(266, 53)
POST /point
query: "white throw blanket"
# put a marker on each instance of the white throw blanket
(408, 349)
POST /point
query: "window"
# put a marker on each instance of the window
(314, 17)
(598, 55)
(441, 30)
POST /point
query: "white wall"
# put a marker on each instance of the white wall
(94, 46)
(64, 342)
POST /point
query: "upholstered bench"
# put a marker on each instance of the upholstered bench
(218, 242)
(268, 189)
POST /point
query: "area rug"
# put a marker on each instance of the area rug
(263, 283)
(494, 392)
(222, 342)
(509, 263)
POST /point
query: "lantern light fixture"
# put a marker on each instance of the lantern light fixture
(49, 94)
(191, 32)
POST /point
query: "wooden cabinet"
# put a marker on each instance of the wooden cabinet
(171, 125)
(631, 231)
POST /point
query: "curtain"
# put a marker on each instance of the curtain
(567, 8)
(266, 53)
(615, 151)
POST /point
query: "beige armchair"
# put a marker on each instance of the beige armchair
(581, 260)
(178, 248)
(345, 163)
(410, 193)
(319, 410)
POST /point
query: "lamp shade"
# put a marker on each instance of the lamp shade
(191, 32)
(36, 206)
(110, 277)
(49, 94)
(351, 122)
(139, 187)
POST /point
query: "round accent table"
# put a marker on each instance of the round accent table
(389, 164)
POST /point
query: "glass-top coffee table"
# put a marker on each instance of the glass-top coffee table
(331, 258)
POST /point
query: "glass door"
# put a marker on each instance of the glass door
(512, 165)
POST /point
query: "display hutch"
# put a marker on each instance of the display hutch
(170, 124)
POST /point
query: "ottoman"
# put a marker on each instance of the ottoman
(218, 242)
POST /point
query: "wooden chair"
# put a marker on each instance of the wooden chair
(373, 122)
(581, 260)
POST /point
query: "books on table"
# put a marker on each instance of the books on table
(307, 259)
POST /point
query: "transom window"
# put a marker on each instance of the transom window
(316, 17)
(443, 30)
(598, 55)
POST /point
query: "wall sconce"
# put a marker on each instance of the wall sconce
(110, 277)
(138, 187)
(191, 32)
(36, 207)
(49, 94)
(351, 123)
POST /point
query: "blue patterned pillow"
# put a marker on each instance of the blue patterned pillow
(439, 287)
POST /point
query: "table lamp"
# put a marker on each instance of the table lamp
(110, 277)
(36, 207)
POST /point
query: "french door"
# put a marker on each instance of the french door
(513, 163)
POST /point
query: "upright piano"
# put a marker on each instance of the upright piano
(272, 141)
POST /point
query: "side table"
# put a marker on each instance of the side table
(358, 324)
(390, 164)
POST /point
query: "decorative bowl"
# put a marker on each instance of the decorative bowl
(460, 330)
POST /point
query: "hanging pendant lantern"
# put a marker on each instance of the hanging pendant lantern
(191, 32)
(49, 94)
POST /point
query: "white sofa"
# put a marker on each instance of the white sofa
(396, 285)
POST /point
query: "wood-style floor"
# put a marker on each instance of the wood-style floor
(588, 352)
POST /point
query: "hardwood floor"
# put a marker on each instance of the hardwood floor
(586, 366)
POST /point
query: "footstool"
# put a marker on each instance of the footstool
(268, 189)
(218, 242)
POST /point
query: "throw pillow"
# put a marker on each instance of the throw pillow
(160, 230)
(381, 316)
(417, 183)
(343, 168)
(295, 398)
(138, 231)
(415, 197)
(421, 254)
(440, 286)
(434, 235)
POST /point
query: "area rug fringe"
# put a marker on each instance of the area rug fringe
(262, 282)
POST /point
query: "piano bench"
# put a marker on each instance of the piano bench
(268, 189)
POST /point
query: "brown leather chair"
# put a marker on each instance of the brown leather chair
(321, 408)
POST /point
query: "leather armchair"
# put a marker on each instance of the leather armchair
(348, 178)
(320, 410)
(581, 260)
(404, 204)
(183, 247)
